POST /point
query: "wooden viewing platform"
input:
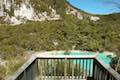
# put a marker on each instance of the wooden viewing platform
(64, 67)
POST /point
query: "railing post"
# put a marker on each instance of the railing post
(24, 74)
(73, 71)
(36, 69)
(93, 73)
(108, 76)
(41, 70)
(65, 69)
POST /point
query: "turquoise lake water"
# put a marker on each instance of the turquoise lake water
(97, 6)
(102, 57)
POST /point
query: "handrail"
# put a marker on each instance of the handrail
(22, 68)
(42, 56)
(35, 56)
(109, 69)
(66, 56)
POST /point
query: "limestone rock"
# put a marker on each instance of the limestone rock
(24, 11)
(94, 18)
(74, 12)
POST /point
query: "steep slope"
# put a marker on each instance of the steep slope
(16, 12)
(19, 11)
(74, 29)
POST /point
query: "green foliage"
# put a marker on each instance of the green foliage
(114, 62)
(2, 72)
(18, 2)
(41, 6)
(36, 36)
(10, 67)
(10, 52)
(86, 35)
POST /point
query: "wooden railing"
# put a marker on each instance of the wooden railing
(64, 67)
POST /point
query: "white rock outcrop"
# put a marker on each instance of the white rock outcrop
(15, 21)
(74, 12)
(2, 62)
(94, 18)
(23, 12)
(1, 8)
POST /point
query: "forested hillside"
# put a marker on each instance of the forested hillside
(69, 32)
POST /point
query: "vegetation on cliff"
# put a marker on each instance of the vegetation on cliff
(67, 32)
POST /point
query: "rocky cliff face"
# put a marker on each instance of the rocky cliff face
(17, 12)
